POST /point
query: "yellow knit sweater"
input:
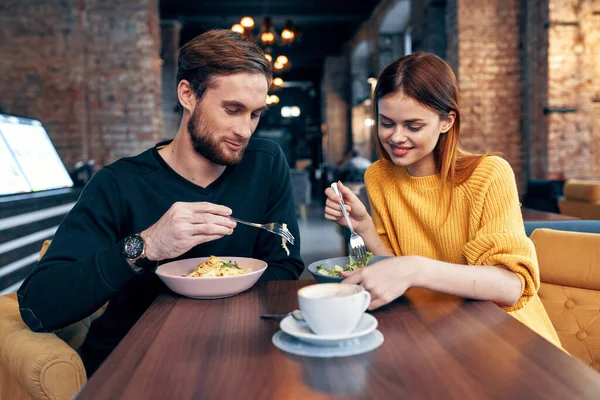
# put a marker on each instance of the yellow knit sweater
(484, 227)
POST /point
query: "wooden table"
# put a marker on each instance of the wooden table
(535, 215)
(436, 347)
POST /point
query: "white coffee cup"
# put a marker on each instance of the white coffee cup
(333, 308)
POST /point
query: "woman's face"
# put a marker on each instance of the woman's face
(409, 132)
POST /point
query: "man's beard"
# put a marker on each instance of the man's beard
(207, 146)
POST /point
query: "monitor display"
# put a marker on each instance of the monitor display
(34, 154)
(12, 179)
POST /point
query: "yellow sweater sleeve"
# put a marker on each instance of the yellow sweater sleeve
(500, 238)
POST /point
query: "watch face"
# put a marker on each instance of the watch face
(133, 246)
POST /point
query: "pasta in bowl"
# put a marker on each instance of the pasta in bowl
(211, 277)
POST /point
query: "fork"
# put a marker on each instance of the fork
(357, 245)
(273, 227)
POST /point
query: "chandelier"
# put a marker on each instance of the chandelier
(267, 35)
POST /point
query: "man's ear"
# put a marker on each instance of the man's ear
(186, 95)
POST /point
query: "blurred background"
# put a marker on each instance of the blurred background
(88, 82)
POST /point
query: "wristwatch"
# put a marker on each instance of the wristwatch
(134, 250)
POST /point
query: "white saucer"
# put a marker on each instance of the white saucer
(300, 330)
(352, 347)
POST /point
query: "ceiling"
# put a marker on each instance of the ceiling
(325, 25)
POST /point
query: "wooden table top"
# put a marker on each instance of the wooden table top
(535, 215)
(435, 347)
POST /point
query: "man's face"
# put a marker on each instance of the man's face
(223, 121)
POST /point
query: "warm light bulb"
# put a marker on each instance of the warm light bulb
(286, 112)
(274, 99)
(238, 28)
(282, 60)
(286, 34)
(278, 65)
(269, 57)
(267, 38)
(278, 82)
(247, 22)
(295, 111)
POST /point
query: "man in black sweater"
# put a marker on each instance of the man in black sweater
(171, 202)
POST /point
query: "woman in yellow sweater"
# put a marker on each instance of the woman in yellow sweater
(451, 219)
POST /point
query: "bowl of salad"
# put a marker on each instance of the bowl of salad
(330, 270)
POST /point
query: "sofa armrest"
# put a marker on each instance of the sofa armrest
(41, 363)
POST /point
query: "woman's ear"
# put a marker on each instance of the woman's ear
(448, 122)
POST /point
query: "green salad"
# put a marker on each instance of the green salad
(351, 266)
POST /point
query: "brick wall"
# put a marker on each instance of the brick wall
(452, 33)
(336, 109)
(41, 69)
(88, 70)
(428, 19)
(535, 60)
(573, 84)
(362, 134)
(169, 53)
(490, 77)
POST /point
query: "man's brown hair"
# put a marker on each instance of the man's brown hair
(219, 52)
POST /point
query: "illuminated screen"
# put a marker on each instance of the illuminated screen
(28, 160)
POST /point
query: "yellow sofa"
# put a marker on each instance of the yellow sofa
(582, 199)
(570, 289)
(39, 365)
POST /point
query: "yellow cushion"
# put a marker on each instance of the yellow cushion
(582, 190)
(579, 209)
(575, 314)
(39, 364)
(568, 258)
(44, 248)
(570, 289)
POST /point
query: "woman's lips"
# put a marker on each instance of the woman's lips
(400, 151)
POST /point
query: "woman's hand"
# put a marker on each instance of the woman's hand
(360, 218)
(386, 280)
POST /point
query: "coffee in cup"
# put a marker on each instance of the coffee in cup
(333, 308)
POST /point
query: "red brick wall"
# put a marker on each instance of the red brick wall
(41, 69)
(169, 54)
(336, 109)
(535, 126)
(573, 83)
(488, 66)
(88, 70)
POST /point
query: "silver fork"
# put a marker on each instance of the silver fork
(357, 245)
(273, 227)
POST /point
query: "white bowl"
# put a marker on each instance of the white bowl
(174, 275)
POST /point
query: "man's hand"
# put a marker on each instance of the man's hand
(184, 226)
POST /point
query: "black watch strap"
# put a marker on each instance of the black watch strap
(145, 263)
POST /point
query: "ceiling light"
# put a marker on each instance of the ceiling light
(247, 22)
(238, 28)
(282, 60)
